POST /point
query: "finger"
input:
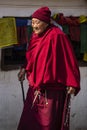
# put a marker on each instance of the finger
(71, 90)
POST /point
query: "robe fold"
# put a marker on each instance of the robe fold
(51, 59)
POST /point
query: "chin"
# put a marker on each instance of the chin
(37, 33)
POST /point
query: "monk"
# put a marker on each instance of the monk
(53, 74)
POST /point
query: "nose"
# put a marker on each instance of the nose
(33, 25)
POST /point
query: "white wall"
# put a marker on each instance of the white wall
(26, 7)
(79, 105)
(11, 103)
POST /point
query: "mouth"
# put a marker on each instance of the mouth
(35, 29)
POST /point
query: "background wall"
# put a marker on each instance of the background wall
(11, 103)
(26, 7)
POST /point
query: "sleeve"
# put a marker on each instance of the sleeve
(61, 64)
(68, 70)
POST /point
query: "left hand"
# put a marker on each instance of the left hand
(71, 90)
(21, 74)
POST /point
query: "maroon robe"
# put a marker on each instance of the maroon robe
(51, 60)
(51, 66)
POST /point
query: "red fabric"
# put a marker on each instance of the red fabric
(62, 20)
(42, 116)
(42, 14)
(51, 60)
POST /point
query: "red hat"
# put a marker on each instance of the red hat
(43, 14)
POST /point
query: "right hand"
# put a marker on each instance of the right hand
(21, 74)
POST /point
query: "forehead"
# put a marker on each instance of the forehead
(37, 20)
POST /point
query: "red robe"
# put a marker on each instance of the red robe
(50, 59)
(50, 62)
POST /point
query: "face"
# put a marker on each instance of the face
(38, 26)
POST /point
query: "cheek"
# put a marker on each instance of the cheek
(41, 28)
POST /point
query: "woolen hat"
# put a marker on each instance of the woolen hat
(43, 14)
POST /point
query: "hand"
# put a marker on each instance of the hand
(21, 74)
(71, 90)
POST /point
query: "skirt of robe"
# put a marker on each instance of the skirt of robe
(43, 116)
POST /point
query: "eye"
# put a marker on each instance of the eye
(36, 22)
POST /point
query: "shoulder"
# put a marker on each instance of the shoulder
(56, 31)
(56, 34)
